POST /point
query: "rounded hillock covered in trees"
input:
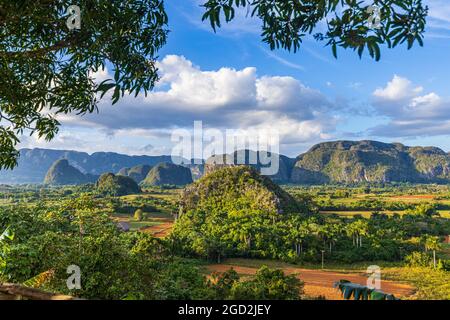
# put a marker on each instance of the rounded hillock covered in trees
(116, 185)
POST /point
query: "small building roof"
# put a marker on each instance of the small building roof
(123, 225)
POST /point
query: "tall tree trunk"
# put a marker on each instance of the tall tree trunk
(434, 258)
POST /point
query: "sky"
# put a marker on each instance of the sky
(231, 80)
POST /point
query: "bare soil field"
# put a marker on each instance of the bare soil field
(320, 282)
(413, 197)
(159, 230)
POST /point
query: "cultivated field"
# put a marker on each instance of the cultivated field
(317, 283)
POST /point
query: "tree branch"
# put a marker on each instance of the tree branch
(37, 52)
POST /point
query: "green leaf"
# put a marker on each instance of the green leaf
(7, 234)
(334, 49)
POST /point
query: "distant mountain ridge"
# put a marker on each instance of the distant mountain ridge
(328, 162)
(371, 161)
(33, 164)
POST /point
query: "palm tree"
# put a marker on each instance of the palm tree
(357, 230)
(350, 231)
(334, 232)
(432, 243)
(297, 231)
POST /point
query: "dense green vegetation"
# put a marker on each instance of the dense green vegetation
(268, 284)
(232, 212)
(431, 284)
(44, 239)
(238, 191)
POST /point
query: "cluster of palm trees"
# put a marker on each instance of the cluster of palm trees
(299, 230)
(295, 236)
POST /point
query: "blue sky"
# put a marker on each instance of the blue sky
(232, 80)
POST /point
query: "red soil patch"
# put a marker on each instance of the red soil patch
(159, 230)
(412, 197)
(320, 283)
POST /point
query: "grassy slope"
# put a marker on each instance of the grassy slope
(431, 284)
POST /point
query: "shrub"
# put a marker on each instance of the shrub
(418, 259)
(139, 215)
(269, 284)
(222, 283)
(443, 265)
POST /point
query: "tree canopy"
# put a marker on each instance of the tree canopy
(46, 67)
(349, 23)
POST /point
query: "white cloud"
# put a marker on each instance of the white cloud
(439, 12)
(397, 89)
(223, 98)
(412, 113)
(431, 100)
(205, 90)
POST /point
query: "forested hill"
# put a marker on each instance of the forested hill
(371, 161)
(329, 162)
